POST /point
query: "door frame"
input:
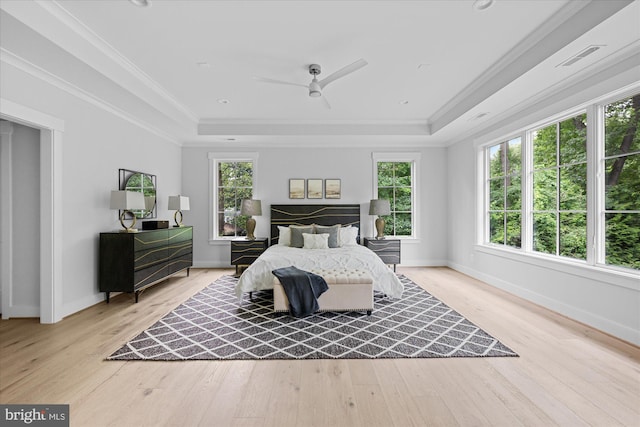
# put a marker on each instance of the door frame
(51, 133)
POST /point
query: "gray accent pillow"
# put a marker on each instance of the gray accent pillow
(297, 241)
(333, 231)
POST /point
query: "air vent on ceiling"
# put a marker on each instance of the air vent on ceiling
(581, 55)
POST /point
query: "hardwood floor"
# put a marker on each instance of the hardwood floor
(567, 374)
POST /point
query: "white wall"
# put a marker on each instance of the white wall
(607, 301)
(96, 144)
(353, 166)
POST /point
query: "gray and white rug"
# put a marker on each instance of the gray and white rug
(212, 326)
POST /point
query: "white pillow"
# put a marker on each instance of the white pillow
(348, 236)
(316, 241)
(284, 236)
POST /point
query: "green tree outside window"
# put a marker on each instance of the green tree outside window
(235, 183)
(505, 193)
(395, 185)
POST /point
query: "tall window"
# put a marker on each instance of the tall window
(395, 177)
(560, 188)
(233, 179)
(622, 182)
(505, 192)
(574, 205)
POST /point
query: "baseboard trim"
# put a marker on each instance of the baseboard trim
(604, 325)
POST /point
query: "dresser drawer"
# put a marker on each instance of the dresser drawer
(387, 249)
(383, 245)
(177, 249)
(146, 276)
(244, 252)
(180, 263)
(180, 234)
(148, 257)
(150, 239)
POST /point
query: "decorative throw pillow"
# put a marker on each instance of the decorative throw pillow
(284, 236)
(315, 241)
(296, 235)
(333, 231)
(348, 236)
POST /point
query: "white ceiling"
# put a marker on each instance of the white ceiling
(450, 62)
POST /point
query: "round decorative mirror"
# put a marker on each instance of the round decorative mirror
(145, 184)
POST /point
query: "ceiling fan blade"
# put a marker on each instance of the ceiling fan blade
(280, 82)
(326, 102)
(343, 72)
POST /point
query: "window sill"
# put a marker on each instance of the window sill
(220, 242)
(625, 279)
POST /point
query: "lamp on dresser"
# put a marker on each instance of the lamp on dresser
(251, 207)
(379, 207)
(126, 201)
(178, 204)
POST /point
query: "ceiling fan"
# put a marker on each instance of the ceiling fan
(316, 86)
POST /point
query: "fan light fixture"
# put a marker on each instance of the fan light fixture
(314, 89)
(316, 86)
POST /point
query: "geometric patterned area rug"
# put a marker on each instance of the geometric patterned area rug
(212, 326)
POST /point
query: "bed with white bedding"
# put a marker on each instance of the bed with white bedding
(348, 255)
(258, 275)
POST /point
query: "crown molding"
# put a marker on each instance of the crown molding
(624, 61)
(573, 20)
(309, 127)
(10, 58)
(52, 21)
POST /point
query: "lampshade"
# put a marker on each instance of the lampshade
(251, 207)
(379, 207)
(127, 200)
(178, 203)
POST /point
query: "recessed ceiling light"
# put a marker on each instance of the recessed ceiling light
(482, 4)
(223, 101)
(141, 3)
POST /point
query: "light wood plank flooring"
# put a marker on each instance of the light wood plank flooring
(567, 374)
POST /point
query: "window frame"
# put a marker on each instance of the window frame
(487, 189)
(557, 167)
(414, 159)
(214, 159)
(594, 266)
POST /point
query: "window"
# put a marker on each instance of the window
(233, 180)
(560, 188)
(569, 188)
(505, 193)
(395, 180)
(621, 183)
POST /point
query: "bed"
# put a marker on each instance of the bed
(350, 255)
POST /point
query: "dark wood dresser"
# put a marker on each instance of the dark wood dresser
(130, 262)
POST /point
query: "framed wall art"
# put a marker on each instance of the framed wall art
(314, 189)
(296, 188)
(332, 189)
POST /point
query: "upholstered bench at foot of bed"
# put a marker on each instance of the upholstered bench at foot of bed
(349, 290)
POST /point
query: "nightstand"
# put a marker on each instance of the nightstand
(244, 252)
(387, 249)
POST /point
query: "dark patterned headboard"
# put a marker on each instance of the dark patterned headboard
(313, 214)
